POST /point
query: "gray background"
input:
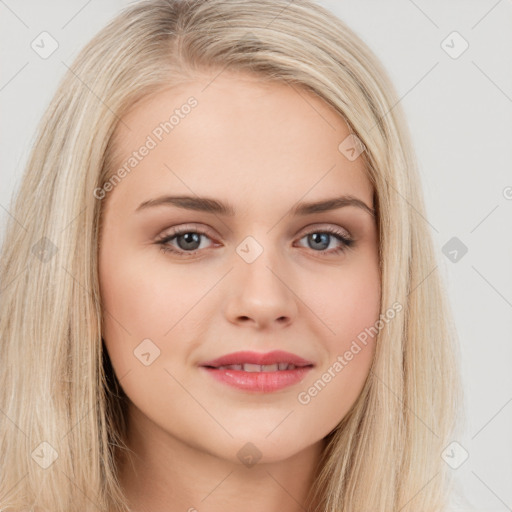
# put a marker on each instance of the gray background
(459, 112)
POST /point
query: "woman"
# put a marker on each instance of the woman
(217, 286)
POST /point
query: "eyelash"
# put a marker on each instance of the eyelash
(346, 242)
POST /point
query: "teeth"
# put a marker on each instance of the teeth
(231, 367)
(249, 367)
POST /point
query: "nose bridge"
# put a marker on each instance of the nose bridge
(260, 290)
(259, 262)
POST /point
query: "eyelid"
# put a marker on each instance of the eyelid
(319, 226)
(183, 228)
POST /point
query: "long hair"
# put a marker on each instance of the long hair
(62, 419)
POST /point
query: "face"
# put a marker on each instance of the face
(185, 282)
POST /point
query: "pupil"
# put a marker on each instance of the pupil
(315, 237)
(190, 238)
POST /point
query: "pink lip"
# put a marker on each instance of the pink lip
(276, 356)
(258, 381)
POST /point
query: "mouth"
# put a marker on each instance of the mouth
(276, 360)
(252, 368)
(257, 372)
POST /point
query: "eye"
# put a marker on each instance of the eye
(320, 239)
(188, 241)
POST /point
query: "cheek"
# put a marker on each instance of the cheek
(351, 309)
(145, 305)
(135, 306)
(146, 297)
(359, 308)
(349, 301)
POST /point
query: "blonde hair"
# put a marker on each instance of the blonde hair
(56, 384)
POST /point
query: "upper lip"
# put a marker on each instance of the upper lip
(276, 356)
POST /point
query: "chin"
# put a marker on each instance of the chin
(260, 448)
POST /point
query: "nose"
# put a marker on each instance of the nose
(261, 294)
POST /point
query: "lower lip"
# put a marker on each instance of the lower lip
(264, 382)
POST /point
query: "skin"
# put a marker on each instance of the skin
(262, 148)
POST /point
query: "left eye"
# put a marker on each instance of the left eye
(321, 238)
(189, 241)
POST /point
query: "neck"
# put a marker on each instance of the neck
(163, 474)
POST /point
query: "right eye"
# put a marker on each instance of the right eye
(188, 241)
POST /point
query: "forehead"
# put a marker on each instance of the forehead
(234, 134)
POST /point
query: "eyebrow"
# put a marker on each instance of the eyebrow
(210, 205)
